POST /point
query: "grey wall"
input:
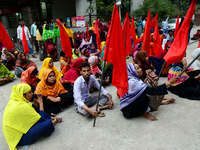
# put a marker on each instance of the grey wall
(61, 9)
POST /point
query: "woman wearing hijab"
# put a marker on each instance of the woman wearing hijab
(72, 74)
(39, 38)
(30, 77)
(102, 29)
(186, 86)
(93, 51)
(91, 31)
(76, 54)
(8, 59)
(58, 41)
(5, 75)
(93, 61)
(84, 42)
(85, 53)
(139, 28)
(138, 48)
(69, 32)
(24, 123)
(49, 64)
(136, 102)
(22, 64)
(65, 63)
(55, 97)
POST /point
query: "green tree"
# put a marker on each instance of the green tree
(163, 7)
(105, 7)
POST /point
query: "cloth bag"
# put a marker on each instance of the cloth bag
(151, 78)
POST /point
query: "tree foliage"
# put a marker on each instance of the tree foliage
(163, 7)
(104, 8)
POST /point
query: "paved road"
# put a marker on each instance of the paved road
(177, 126)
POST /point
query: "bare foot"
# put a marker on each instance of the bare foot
(55, 120)
(167, 101)
(149, 116)
(104, 107)
(59, 119)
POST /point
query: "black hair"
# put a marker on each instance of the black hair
(169, 31)
(61, 20)
(164, 17)
(62, 53)
(84, 64)
(36, 20)
(47, 27)
(35, 71)
(20, 20)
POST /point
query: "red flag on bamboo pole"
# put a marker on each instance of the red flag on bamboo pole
(177, 27)
(4, 38)
(132, 31)
(87, 32)
(24, 42)
(98, 39)
(177, 50)
(115, 54)
(127, 36)
(147, 34)
(154, 21)
(65, 41)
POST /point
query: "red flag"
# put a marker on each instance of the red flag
(88, 35)
(98, 39)
(65, 41)
(154, 21)
(4, 38)
(177, 50)
(127, 36)
(24, 42)
(115, 54)
(157, 48)
(199, 44)
(177, 27)
(132, 31)
(147, 34)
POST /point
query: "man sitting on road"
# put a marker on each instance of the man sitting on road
(83, 102)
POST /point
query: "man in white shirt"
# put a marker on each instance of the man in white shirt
(28, 36)
(33, 34)
(144, 22)
(83, 102)
(165, 24)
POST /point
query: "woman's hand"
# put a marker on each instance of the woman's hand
(172, 81)
(39, 98)
(197, 77)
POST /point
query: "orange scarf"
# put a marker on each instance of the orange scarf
(47, 90)
(26, 77)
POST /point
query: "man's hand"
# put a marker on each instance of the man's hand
(94, 113)
(110, 101)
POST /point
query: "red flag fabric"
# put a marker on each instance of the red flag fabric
(154, 21)
(65, 41)
(115, 54)
(147, 34)
(132, 31)
(88, 35)
(177, 27)
(177, 50)
(4, 38)
(127, 36)
(24, 42)
(98, 39)
(199, 44)
(157, 48)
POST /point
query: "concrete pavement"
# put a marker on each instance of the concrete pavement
(177, 127)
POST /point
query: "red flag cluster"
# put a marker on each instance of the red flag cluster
(4, 38)
(65, 41)
(115, 54)
(179, 46)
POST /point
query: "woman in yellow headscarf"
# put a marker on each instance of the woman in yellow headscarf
(22, 124)
(48, 64)
(55, 97)
(69, 32)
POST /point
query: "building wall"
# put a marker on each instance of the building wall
(136, 4)
(61, 9)
(197, 16)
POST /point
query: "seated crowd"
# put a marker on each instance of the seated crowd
(53, 90)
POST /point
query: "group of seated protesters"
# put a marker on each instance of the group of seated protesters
(53, 90)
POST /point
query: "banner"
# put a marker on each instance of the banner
(80, 21)
(68, 22)
(73, 22)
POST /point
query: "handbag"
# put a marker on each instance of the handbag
(155, 100)
(151, 77)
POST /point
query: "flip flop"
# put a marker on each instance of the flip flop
(101, 114)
